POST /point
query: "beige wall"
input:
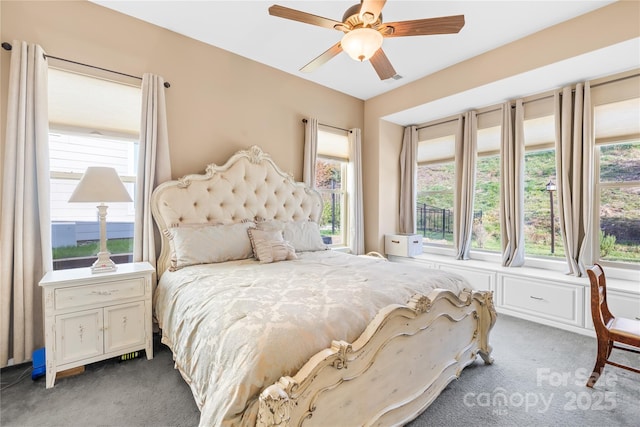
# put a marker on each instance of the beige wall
(603, 27)
(218, 102)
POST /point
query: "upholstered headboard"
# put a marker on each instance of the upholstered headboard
(248, 186)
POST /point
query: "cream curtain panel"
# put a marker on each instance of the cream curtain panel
(25, 231)
(154, 166)
(574, 166)
(408, 185)
(310, 152)
(466, 152)
(356, 209)
(512, 184)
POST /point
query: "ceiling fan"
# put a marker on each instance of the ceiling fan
(364, 32)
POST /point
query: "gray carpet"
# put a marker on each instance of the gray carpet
(537, 380)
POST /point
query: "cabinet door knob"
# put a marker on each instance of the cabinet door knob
(536, 298)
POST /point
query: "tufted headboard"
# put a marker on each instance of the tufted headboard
(250, 185)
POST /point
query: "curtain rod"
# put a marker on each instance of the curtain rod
(498, 108)
(439, 123)
(538, 99)
(329, 126)
(7, 46)
(616, 80)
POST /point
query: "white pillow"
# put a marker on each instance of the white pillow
(208, 244)
(304, 236)
(268, 246)
(270, 225)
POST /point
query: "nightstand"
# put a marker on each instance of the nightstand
(90, 317)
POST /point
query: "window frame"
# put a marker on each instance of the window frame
(488, 119)
(437, 163)
(75, 177)
(87, 121)
(434, 133)
(340, 156)
(475, 208)
(556, 214)
(599, 185)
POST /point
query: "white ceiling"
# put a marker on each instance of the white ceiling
(247, 29)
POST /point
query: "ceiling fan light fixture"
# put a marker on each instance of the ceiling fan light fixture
(361, 43)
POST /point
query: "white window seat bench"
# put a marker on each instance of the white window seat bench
(540, 295)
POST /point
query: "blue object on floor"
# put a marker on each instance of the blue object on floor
(39, 365)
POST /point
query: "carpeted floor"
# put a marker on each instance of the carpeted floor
(537, 380)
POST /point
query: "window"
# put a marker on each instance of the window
(74, 226)
(616, 179)
(486, 216)
(541, 223)
(542, 237)
(331, 182)
(93, 122)
(617, 131)
(434, 219)
(436, 183)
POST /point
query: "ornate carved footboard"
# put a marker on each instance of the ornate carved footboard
(393, 371)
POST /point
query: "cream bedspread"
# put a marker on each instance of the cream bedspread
(237, 327)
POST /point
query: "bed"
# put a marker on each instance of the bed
(271, 328)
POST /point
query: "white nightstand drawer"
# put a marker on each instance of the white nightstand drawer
(554, 301)
(80, 296)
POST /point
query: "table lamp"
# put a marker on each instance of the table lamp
(101, 184)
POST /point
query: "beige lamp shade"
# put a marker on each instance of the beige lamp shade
(100, 184)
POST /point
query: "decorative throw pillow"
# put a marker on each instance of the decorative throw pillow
(255, 234)
(208, 244)
(304, 236)
(268, 246)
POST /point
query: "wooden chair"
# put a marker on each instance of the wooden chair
(609, 329)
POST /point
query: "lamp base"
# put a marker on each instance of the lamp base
(103, 264)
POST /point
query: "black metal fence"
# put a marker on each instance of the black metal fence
(431, 220)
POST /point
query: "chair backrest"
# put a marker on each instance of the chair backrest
(599, 310)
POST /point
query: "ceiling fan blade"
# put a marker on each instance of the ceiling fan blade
(423, 27)
(307, 18)
(323, 58)
(382, 65)
(370, 10)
